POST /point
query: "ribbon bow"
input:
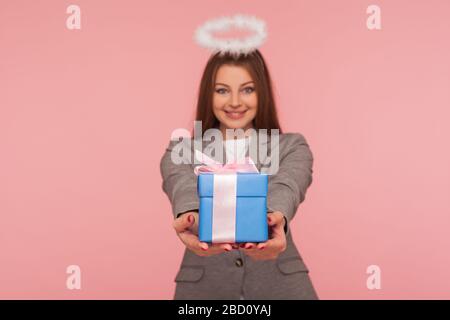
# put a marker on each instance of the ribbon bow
(217, 167)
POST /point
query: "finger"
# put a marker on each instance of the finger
(190, 239)
(261, 245)
(203, 245)
(269, 246)
(276, 243)
(194, 218)
(249, 245)
(217, 248)
(226, 247)
(182, 223)
(274, 218)
(220, 247)
(244, 244)
(278, 231)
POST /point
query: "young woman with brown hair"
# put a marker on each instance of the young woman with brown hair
(236, 93)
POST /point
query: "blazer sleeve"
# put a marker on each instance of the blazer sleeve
(287, 188)
(179, 183)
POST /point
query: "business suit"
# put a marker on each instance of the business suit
(232, 274)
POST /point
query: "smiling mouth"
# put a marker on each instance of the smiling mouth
(235, 115)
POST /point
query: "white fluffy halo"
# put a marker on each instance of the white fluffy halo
(203, 35)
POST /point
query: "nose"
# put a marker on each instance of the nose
(235, 102)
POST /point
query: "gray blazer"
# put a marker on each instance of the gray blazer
(234, 275)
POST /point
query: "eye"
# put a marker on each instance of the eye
(220, 90)
(249, 89)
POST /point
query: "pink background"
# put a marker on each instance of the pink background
(85, 116)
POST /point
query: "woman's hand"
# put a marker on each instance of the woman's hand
(186, 227)
(275, 245)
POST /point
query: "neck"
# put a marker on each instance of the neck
(224, 133)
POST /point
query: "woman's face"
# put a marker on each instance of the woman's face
(234, 101)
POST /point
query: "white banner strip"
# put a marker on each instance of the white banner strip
(224, 208)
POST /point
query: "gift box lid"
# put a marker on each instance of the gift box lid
(248, 184)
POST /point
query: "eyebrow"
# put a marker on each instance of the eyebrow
(223, 84)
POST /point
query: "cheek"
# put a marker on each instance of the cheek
(251, 101)
(252, 113)
(217, 106)
(219, 101)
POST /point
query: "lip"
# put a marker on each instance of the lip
(235, 115)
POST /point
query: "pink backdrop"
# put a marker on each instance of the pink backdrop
(86, 114)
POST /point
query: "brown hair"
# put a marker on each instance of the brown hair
(266, 115)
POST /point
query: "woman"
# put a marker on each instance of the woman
(236, 93)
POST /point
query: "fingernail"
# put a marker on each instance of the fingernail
(190, 218)
(261, 248)
(249, 246)
(227, 249)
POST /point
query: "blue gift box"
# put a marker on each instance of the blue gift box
(251, 207)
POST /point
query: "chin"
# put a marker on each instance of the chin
(236, 124)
